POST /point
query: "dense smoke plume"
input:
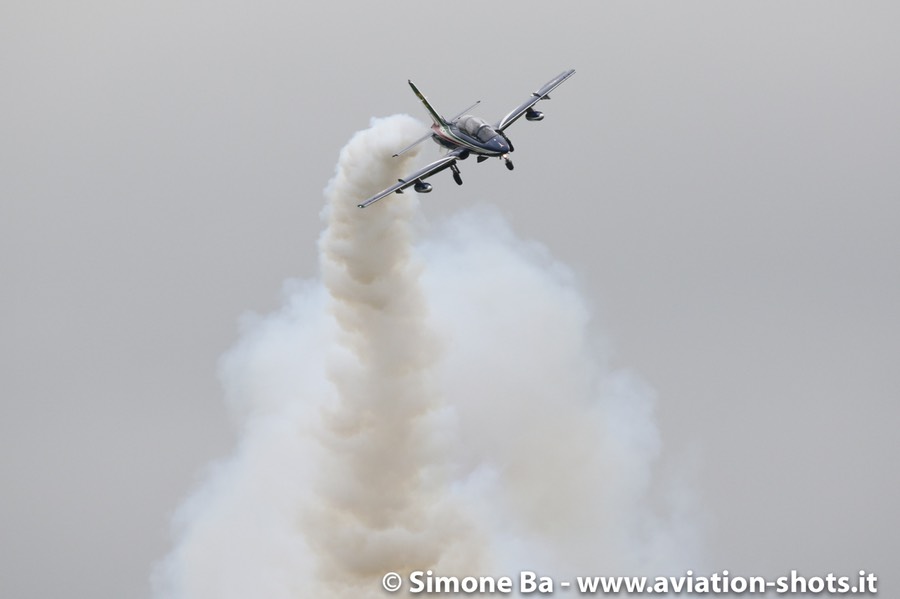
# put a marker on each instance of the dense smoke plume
(435, 400)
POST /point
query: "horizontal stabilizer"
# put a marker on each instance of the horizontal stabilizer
(465, 110)
(413, 144)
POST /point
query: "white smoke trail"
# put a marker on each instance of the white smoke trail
(562, 447)
(381, 505)
(436, 404)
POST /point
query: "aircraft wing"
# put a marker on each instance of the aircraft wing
(541, 94)
(421, 174)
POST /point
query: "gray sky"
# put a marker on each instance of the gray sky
(722, 177)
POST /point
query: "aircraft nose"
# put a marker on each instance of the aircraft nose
(499, 145)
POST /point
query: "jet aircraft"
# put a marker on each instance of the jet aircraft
(465, 134)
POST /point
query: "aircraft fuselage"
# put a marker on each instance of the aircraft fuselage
(453, 137)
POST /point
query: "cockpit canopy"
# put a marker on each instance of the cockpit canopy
(476, 127)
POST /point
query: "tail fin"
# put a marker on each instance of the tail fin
(438, 119)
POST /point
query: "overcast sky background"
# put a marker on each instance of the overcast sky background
(722, 177)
